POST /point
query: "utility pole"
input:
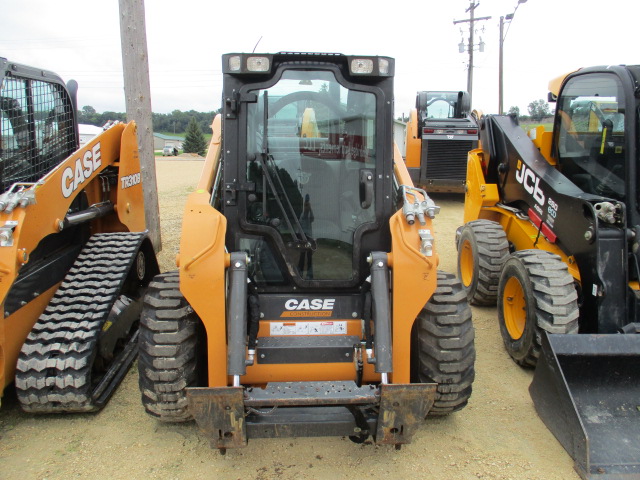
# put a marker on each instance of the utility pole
(471, 20)
(137, 92)
(508, 17)
(500, 68)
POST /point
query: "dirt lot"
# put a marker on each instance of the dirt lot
(498, 436)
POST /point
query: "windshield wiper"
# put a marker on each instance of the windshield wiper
(288, 212)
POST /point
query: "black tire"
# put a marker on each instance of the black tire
(443, 346)
(482, 250)
(170, 345)
(536, 292)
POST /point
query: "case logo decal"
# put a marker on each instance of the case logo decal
(72, 178)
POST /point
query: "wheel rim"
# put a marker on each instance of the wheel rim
(141, 266)
(466, 263)
(514, 307)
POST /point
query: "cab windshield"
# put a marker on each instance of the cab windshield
(441, 105)
(591, 134)
(309, 141)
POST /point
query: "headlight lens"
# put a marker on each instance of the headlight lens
(362, 66)
(235, 63)
(258, 64)
(383, 66)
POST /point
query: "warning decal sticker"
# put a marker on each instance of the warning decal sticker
(308, 328)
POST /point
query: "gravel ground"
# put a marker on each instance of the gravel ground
(498, 436)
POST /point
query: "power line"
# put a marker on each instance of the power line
(471, 45)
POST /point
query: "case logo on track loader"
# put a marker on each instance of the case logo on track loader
(315, 307)
(72, 178)
(530, 181)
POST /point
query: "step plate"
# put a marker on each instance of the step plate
(307, 349)
(311, 393)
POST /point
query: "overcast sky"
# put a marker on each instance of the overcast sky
(80, 39)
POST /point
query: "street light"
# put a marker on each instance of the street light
(503, 36)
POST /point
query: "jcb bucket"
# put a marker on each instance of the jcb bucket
(586, 389)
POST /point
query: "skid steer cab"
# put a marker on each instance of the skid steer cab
(551, 236)
(307, 300)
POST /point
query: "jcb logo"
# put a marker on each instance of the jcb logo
(530, 182)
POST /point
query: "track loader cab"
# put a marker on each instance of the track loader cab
(551, 236)
(330, 270)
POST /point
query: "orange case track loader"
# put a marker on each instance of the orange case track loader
(74, 254)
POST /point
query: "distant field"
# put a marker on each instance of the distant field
(548, 126)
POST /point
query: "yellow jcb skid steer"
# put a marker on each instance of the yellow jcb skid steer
(75, 257)
(307, 300)
(552, 235)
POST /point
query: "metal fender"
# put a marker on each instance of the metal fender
(202, 262)
(478, 193)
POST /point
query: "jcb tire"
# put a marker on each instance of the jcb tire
(536, 293)
(169, 350)
(482, 250)
(443, 346)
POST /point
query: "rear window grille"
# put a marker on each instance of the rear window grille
(447, 159)
(37, 127)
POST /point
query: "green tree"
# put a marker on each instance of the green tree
(194, 139)
(538, 109)
(514, 111)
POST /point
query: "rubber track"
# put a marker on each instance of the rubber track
(55, 363)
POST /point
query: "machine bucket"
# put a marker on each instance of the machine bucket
(586, 389)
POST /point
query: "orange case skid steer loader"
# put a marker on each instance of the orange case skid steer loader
(307, 301)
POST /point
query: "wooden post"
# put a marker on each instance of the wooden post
(137, 92)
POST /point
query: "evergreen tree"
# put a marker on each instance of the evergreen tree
(194, 139)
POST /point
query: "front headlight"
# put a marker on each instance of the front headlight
(362, 66)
